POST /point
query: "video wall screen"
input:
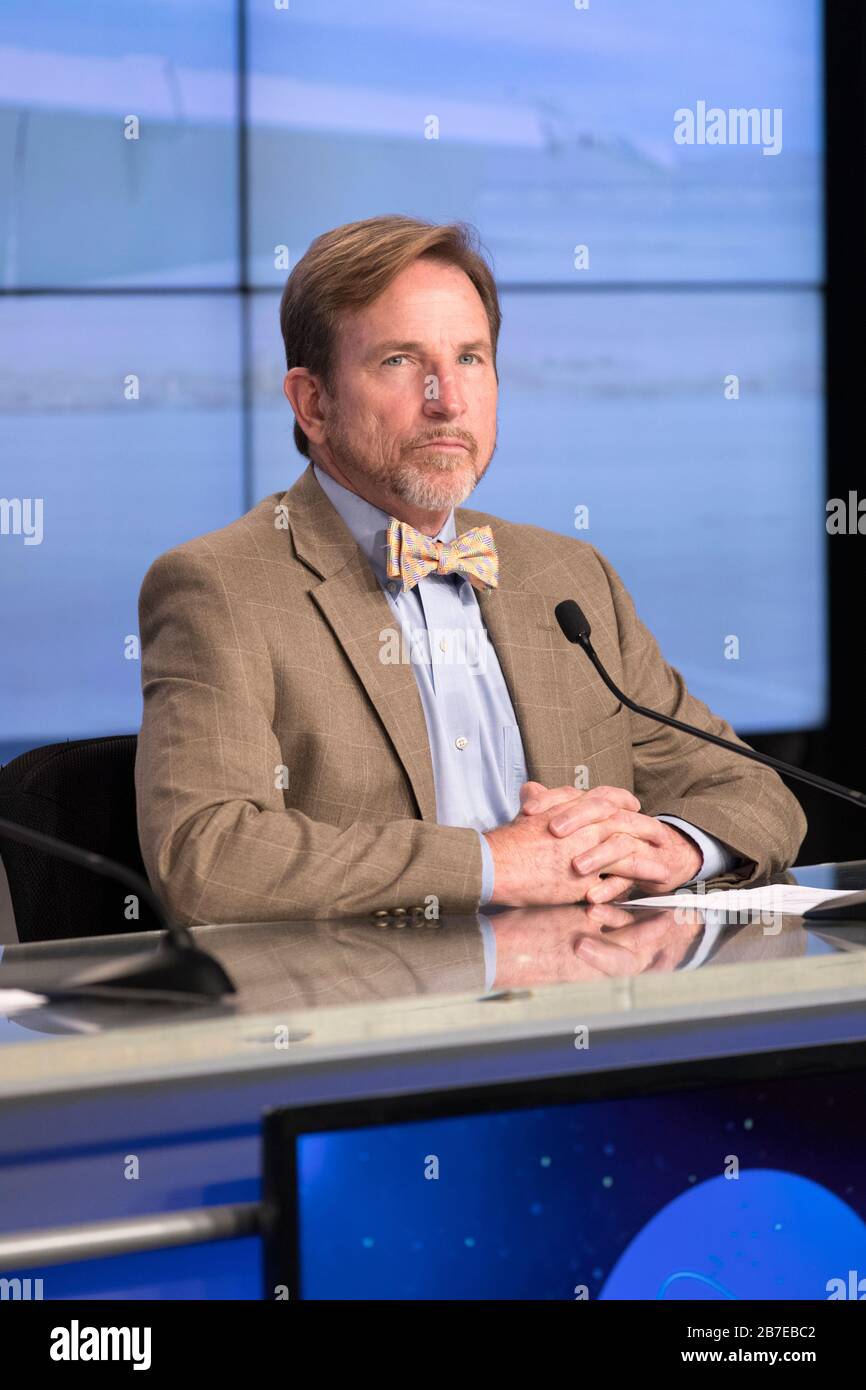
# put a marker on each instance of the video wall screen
(659, 257)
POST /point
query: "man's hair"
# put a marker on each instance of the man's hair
(351, 265)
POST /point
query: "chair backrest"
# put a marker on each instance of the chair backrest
(82, 792)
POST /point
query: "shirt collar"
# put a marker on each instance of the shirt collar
(369, 524)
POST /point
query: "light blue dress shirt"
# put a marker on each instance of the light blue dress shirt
(475, 743)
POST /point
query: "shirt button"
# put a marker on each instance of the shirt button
(443, 644)
(461, 743)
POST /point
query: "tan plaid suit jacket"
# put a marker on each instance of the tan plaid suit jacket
(284, 771)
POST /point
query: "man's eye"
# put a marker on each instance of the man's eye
(473, 355)
(398, 357)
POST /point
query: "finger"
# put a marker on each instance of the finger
(646, 935)
(560, 797)
(600, 804)
(622, 854)
(636, 933)
(620, 795)
(531, 789)
(612, 797)
(609, 888)
(613, 957)
(641, 871)
(664, 918)
(609, 849)
(570, 818)
(607, 915)
(582, 842)
(547, 800)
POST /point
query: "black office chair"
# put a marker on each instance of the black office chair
(82, 792)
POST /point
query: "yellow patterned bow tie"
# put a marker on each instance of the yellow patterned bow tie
(411, 555)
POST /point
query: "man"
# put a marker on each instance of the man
(295, 763)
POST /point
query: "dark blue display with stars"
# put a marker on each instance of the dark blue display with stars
(626, 1198)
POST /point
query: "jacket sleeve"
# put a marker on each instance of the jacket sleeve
(218, 841)
(738, 801)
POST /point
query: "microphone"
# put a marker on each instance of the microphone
(177, 967)
(575, 626)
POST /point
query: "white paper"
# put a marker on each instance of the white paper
(773, 897)
(12, 1001)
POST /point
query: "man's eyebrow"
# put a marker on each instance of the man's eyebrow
(393, 345)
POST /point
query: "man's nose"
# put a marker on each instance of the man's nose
(443, 397)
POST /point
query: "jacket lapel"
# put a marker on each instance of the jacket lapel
(351, 601)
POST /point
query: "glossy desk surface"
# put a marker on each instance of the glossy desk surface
(327, 991)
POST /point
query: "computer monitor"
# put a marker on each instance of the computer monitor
(733, 1178)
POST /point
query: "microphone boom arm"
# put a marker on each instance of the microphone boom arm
(576, 629)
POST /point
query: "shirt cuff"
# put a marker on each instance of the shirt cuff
(718, 859)
(488, 941)
(714, 926)
(487, 871)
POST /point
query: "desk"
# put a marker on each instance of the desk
(110, 1113)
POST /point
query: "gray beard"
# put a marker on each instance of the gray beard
(431, 488)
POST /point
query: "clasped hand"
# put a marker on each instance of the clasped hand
(610, 837)
(568, 846)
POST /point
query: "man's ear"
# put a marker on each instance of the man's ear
(304, 393)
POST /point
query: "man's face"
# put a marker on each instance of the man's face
(412, 416)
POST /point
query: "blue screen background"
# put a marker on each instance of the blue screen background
(164, 256)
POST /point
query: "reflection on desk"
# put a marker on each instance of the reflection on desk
(337, 982)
